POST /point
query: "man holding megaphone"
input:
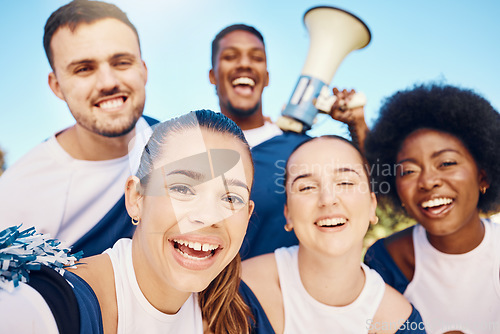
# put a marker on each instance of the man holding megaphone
(239, 72)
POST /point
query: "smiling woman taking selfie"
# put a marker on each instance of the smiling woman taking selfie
(180, 272)
(442, 142)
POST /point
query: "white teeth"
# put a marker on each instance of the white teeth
(243, 81)
(187, 256)
(436, 202)
(197, 246)
(111, 104)
(331, 222)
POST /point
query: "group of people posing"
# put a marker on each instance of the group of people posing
(184, 225)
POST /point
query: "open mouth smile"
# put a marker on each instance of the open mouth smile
(437, 206)
(195, 250)
(111, 104)
(243, 85)
(331, 222)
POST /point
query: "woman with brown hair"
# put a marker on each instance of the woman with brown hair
(179, 273)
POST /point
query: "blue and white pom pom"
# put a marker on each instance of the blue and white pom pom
(22, 251)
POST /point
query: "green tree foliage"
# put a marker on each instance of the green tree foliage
(390, 221)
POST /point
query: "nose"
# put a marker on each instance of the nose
(106, 79)
(207, 213)
(244, 61)
(327, 196)
(429, 179)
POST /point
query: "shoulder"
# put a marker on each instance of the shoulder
(98, 272)
(261, 275)
(258, 272)
(393, 309)
(29, 164)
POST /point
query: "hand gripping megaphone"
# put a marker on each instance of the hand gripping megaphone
(333, 34)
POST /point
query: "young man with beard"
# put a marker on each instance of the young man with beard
(239, 72)
(72, 185)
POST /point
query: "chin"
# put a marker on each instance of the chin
(243, 111)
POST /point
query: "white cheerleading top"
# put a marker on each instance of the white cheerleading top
(457, 291)
(135, 313)
(304, 314)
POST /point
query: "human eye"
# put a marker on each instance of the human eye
(307, 187)
(448, 163)
(406, 170)
(233, 199)
(258, 57)
(83, 69)
(180, 190)
(229, 55)
(123, 63)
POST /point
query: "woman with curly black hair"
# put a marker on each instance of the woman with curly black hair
(433, 153)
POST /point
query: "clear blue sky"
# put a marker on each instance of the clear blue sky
(450, 41)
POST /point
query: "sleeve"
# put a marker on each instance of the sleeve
(413, 325)
(260, 324)
(59, 296)
(89, 308)
(378, 258)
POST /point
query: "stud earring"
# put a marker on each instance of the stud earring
(482, 189)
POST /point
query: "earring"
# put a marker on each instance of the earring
(136, 220)
(482, 189)
(288, 227)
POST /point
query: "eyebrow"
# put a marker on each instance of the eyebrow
(301, 176)
(79, 62)
(90, 61)
(200, 177)
(338, 170)
(236, 48)
(433, 155)
(347, 170)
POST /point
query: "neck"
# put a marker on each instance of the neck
(249, 122)
(462, 241)
(83, 144)
(334, 281)
(161, 296)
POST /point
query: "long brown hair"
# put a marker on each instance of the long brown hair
(222, 307)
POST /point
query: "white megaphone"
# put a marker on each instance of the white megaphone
(333, 33)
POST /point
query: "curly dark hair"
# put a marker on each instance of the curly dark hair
(457, 111)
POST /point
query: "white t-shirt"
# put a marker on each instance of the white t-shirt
(261, 134)
(304, 314)
(63, 196)
(135, 313)
(457, 291)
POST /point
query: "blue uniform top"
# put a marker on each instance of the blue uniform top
(265, 231)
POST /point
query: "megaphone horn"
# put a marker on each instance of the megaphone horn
(333, 34)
